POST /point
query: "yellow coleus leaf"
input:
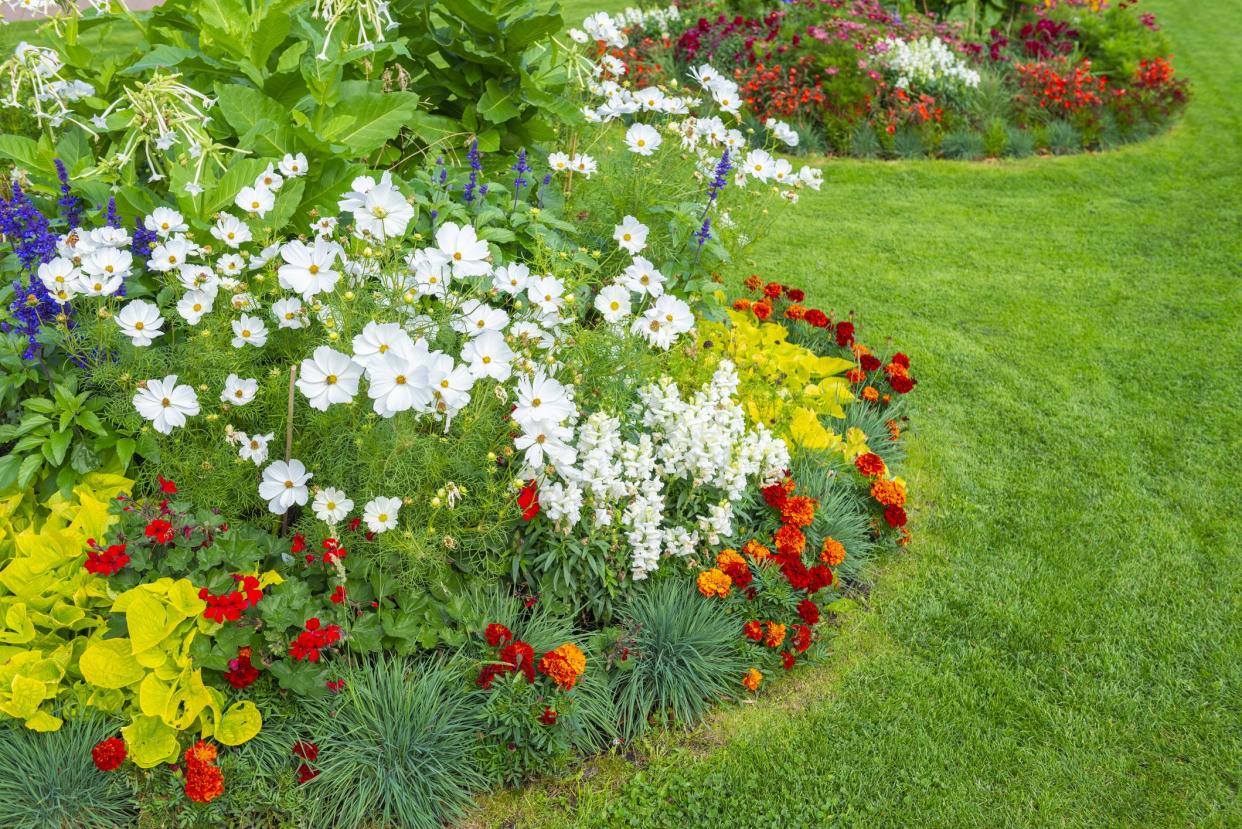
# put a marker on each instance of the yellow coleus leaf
(150, 741)
(239, 723)
(855, 443)
(153, 696)
(826, 366)
(110, 663)
(147, 620)
(806, 430)
(183, 596)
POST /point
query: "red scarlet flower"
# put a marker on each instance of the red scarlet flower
(160, 530)
(167, 486)
(895, 516)
(306, 750)
(816, 318)
(241, 672)
(299, 543)
(338, 595)
(109, 754)
(869, 362)
(753, 630)
(845, 334)
(809, 611)
(787, 660)
(548, 717)
(528, 500)
(497, 635)
(106, 562)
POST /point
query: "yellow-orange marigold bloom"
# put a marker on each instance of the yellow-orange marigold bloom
(799, 510)
(563, 665)
(773, 635)
(896, 370)
(889, 493)
(741, 305)
(752, 679)
(726, 558)
(201, 752)
(870, 394)
(714, 582)
(859, 350)
(789, 540)
(832, 552)
(894, 428)
(756, 550)
(795, 312)
(856, 375)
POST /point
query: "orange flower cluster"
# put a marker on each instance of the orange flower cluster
(789, 540)
(204, 781)
(714, 582)
(563, 665)
(752, 679)
(799, 510)
(756, 550)
(871, 465)
(735, 567)
(889, 493)
(832, 552)
(773, 635)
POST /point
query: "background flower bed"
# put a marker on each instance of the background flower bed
(866, 79)
(592, 488)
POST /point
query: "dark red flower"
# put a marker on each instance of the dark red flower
(497, 635)
(819, 577)
(895, 516)
(809, 611)
(109, 754)
(901, 383)
(167, 486)
(306, 773)
(801, 638)
(901, 360)
(528, 500)
(845, 334)
(160, 530)
(795, 294)
(521, 657)
(241, 673)
(869, 362)
(773, 290)
(787, 660)
(753, 630)
(306, 750)
(816, 317)
(548, 717)
(106, 562)
(338, 595)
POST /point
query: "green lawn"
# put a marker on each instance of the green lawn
(1062, 643)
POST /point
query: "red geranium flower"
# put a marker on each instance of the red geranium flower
(167, 486)
(106, 562)
(338, 595)
(160, 530)
(109, 754)
(298, 544)
(306, 750)
(528, 500)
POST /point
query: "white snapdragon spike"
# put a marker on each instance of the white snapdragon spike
(257, 200)
(613, 302)
(643, 139)
(289, 313)
(475, 317)
(511, 279)
(141, 322)
(309, 269)
(546, 293)
(284, 485)
(59, 277)
(172, 253)
(488, 355)
(164, 222)
(717, 525)
(378, 339)
(253, 448)
(542, 399)
(466, 253)
(643, 278)
(194, 304)
(583, 164)
(270, 179)
(380, 514)
(328, 377)
(559, 162)
(292, 166)
(783, 132)
(927, 61)
(166, 403)
(239, 390)
(630, 235)
(331, 505)
(249, 330)
(399, 380)
(562, 501)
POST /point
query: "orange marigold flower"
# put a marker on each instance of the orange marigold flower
(204, 783)
(752, 679)
(756, 550)
(859, 350)
(201, 752)
(729, 558)
(753, 630)
(856, 375)
(896, 370)
(753, 282)
(762, 310)
(741, 305)
(894, 428)
(889, 493)
(871, 465)
(563, 665)
(773, 290)
(789, 540)
(799, 510)
(795, 312)
(832, 552)
(905, 536)
(870, 394)
(774, 635)
(714, 582)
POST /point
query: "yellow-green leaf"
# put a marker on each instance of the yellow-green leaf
(109, 663)
(150, 741)
(239, 723)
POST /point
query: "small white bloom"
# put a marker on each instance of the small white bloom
(631, 234)
(289, 313)
(249, 330)
(488, 355)
(613, 302)
(293, 166)
(309, 269)
(258, 200)
(643, 278)
(239, 391)
(283, 485)
(328, 377)
(166, 404)
(466, 252)
(583, 164)
(545, 292)
(141, 322)
(642, 139)
(380, 514)
(476, 317)
(331, 505)
(164, 222)
(254, 448)
(559, 162)
(511, 279)
(193, 304)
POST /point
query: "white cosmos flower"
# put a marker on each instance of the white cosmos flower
(258, 200)
(613, 302)
(545, 292)
(249, 330)
(293, 166)
(559, 162)
(782, 131)
(432, 274)
(379, 338)
(231, 264)
(231, 230)
(488, 355)
(542, 399)
(642, 139)
(384, 213)
(631, 234)
(198, 278)
(164, 222)
(380, 514)
(511, 279)
(466, 252)
(450, 384)
(269, 179)
(166, 404)
(323, 226)
(583, 164)
(193, 304)
(98, 285)
(173, 253)
(288, 313)
(476, 317)
(283, 485)
(328, 377)
(546, 443)
(812, 177)
(308, 269)
(353, 200)
(264, 256)
(663, 322)
(759, 164)
(643, 278)
(726, 95)
(108, 263)
(399, 380)
(331, 505)
(141, 322)
(254, 448)
(58, 275)
(239, 391)
(651, 99)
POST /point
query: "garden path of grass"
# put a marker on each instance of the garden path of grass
(1062, 643)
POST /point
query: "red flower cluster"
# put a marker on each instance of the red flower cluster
(160, 530)
(204, 781)
(308, 752)
(514, 655)
(783, 91)
(105, 562)
(241, 672)
(109, 754)
(310, 642)
(528, 500)
(230, 606)
(1066, 92)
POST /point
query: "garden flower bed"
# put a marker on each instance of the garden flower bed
(860, 78)
(377, 430)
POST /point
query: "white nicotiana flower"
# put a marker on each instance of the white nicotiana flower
(925, 62)
(631, 234)
(166, 404)
(380, 514)
(284, 485)
(328, 377)
(140, 321)
(331, 505)
(249, 330)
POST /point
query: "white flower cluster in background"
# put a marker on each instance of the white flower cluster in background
(925, 62)
(611, 29)
(702, 444)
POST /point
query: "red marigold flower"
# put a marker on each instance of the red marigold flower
(816, 318)
(787, 660)
(106, 562)
(528, 500)
(306, 750)
(869, 362)
(775, 495)
(306, 773)
(802, 638)
(109, 754)
(497, 635)
(167, 486)
(563, 665)
(809, 611)
(889, 493)
(753, 630)
(870, 464)
(795, 294)
(773, 290)
(895, 516)
(735, 567)
(753, 282)
(845, 333)
(519, 656)
(856, 375)
(741, 305)
(203, 782)
(160, 530)
(819, 577)
(762, 310)
(789, 540)
(903, 384)
(548, 717)
(901, 360)
(795, 312)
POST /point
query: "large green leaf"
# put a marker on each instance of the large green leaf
(372, 120)
(497, 105)
(24, 151)
(243, 107)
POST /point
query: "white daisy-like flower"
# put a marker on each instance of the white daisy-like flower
(194, 304)
(289, 313)
(583, 164)
(541, 398)
(239, 391)
(269, 179)
(231, 264)
(108, 264)
(309, 269)
(141, 322)
(476, 317)
(331, 505)
(378, 339)
(59, 276)
(399, 380)
(559, 162)
(631, 234)
(613, 302)
(546, 443)
(545, 292)
(283, 485)
(642, 139)
(328, 377)
(292, 166)
(166, 404)
(380, 514)
(164, 222)
(173, 253)
(488, 355)
(384, 213)
(254, 448)
(249, 330)
(231, 230)
(257, 200)
(323, 226)
(511, 279)
(643, 278)
(466, 252)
